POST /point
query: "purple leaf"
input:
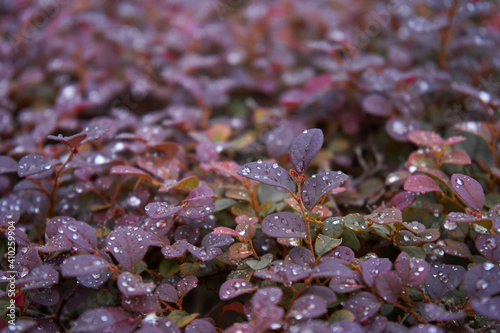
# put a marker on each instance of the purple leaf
(324, 292)
(469, 190)
(345, 326)
(304, 147)
(342, 253)
(54, 225)
(275, 271)
(421, 184)
(97, 129)
(160, 210)
(315, 326)
(81, 234)
(398, 128)
(7, 164)
(301, 256)
(268, 173)
(457, 217)
(363, 305)
(481, 281)
(39, 277)
(387, 216)
(100, 320)
(185, 285)
(455, 248)
(411, 271)
(26, 260)
(403, 200)
(265, 296)
(427, 139)
(319, 185)
(443, 278)
(130, 285)
(143, 303)
(46, 297)
(175, 250)
(129, 170)
(488, 307)
(431, 312)
(204, 253)
(422, 328)
(94, 280)
(197, 208)
(234, 288)
(128, 245)
(476, 128)
(56, 244)
(373, 267)
(71, 141)
(34, 164)
(307, 307)
(377, 105)
(241, 328)
(213, 240)
(167, 293)
(201, 192)
(489, 246)
(200, 326)
(284, 224)
(82, 265)
(388, 286)
(330, 268)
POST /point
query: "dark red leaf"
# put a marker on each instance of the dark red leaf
(167, 293)
(403, 200)
(71, 141)
(197, 208)
(304, 147)
(284, 224)
(185, 285)
(307, 307)
(319, 185)
(363, 305)
(268, 173)
(426, 139)
(387, 216)
(421, 184)
(469, 190)
(388, 286)
(234, 288)
(459, 157)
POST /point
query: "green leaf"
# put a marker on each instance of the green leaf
(264, 261)
(349, 239)
(414, 251)
(190, 269)
(341, 315)
(140, 267)
(169, 267)
(324, 244)
(383, 231)
(333, 227)
(181, 318)
(222, 204)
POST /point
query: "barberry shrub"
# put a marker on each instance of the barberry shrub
(208, 166)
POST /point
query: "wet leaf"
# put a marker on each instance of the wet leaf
(82, 265)
(71, 141)
(331, 267)
(234, 288)
(200, 326)
(373, 267)
(196, 209)
(324, 244)
(363, 305)
(388, 286)
(455, 248)
(81, 235)
(94, 280)
(167, 293)
(39, 277)
(489, 246)
(324, 292)
(403, 200)
(268, 173)
(128, 245)
(301, 256)
(481, 281)
(459, 157)
(204, 253)
(307, 307)
(431, 312)
(46, 297)
(387, 216)
(130, 285)
(421, 184)
(100, 320)
(443, 278)
(427, 139)
(143, 303)
(411, 271)
(304, 147)
(341, 253)
(284, 224)
(34, 164)
(130, 170)
(175, 250)
(160, 210)
(185, 285)
(346, 284)
(469, 190)
(476, 128)
(214, 240)
(319, 185)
